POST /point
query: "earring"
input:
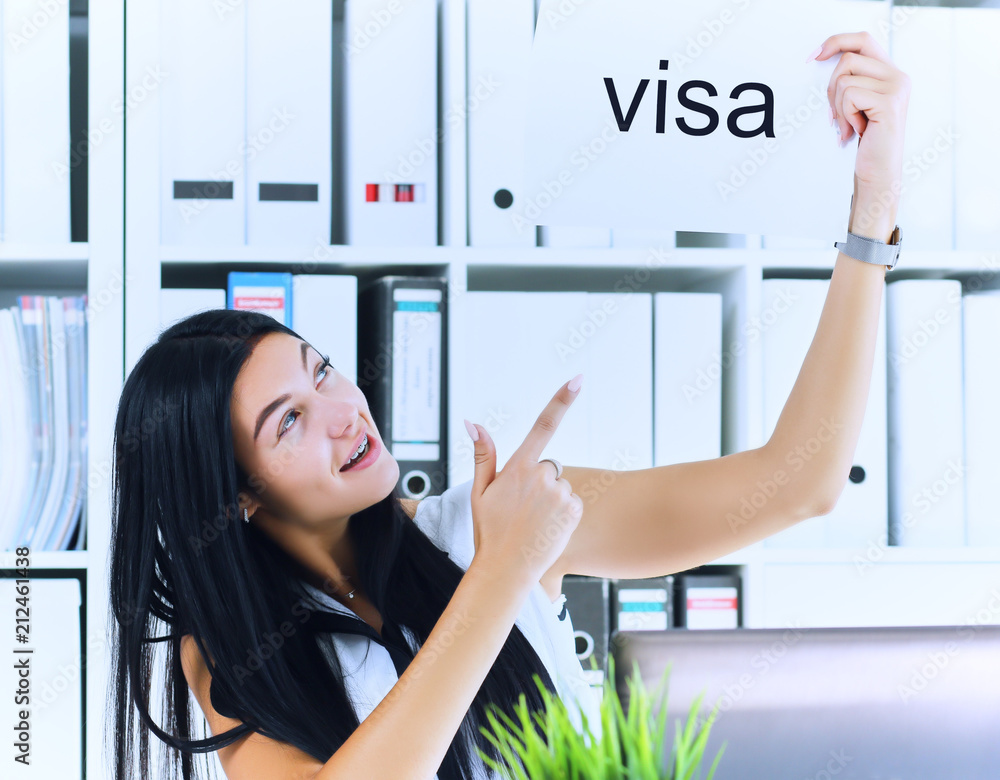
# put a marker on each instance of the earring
(246, 517)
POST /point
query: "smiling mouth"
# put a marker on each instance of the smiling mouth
(357, 456)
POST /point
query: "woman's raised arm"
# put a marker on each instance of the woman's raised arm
(655, 521)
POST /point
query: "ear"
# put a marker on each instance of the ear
(249, 500)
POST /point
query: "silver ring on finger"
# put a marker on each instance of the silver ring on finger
(557, 464)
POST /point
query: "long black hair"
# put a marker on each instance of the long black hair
(184, 562)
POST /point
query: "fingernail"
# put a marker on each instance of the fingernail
(575, 382)
(830, 109)
(473, 433)
(815, 54)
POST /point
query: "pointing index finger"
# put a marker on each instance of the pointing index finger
(547, 422)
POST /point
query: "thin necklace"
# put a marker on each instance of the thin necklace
(351, 594)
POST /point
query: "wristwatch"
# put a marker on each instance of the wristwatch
(871, 250)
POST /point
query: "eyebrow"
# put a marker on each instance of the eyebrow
(268, 410)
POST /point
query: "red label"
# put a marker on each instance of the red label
(729, 603)
(250, 302)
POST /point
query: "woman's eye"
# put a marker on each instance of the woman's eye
(323, 370)
(291, 415)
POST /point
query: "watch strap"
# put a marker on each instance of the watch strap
(871, 250)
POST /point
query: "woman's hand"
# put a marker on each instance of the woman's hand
(523, 517)
(869, 96)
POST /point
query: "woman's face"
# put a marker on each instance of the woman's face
(295, 426)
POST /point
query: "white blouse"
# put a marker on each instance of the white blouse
(369, 673)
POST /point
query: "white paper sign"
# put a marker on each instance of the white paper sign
(700, 116)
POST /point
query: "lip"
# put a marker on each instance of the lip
(374, 450)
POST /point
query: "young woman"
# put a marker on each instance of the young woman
(329, 628)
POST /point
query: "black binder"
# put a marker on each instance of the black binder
(720, 597)
(402, 370)
(587, 603)
(642, 604)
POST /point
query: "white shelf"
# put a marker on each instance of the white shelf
(46, 267)
(438, 255)
(75, 250)
(877, 554)
(952, 263)
(303, 256)
(883, 555)
(47, 559)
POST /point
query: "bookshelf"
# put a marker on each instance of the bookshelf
(735, 272)
(122, 266)
(92, 263)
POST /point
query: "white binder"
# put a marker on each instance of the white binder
(574, 237)
(35, 115)
(797, 242)
(15, 427)
(977, 116)
(499, 46)
(55, 377)
(3, 236)
(927, 198)
(30, 323)
(981, 366)
(325, 313)
(924, 364)
(390, 143)
(643, 238)
(859, 515)
(69, 514)
(179, 303)
(288, 122)
(48, 381)
(203, 123)
(55, 670)
(687, 409)
(796, 305)
(513, 350)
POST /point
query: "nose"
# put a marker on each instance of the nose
(341, 418)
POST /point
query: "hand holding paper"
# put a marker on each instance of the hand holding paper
(869, 96)
(705, 117)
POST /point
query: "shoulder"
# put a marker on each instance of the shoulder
(253, 754)
(410, 506)
(196, 672)
(199, 680)
(191, 660)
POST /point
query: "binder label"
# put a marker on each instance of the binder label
(416, 373)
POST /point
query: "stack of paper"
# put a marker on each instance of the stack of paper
(43, 423)
(44, 716)
(34, 104)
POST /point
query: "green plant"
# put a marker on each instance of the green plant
(629, 747)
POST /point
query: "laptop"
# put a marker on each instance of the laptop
(867, 703)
